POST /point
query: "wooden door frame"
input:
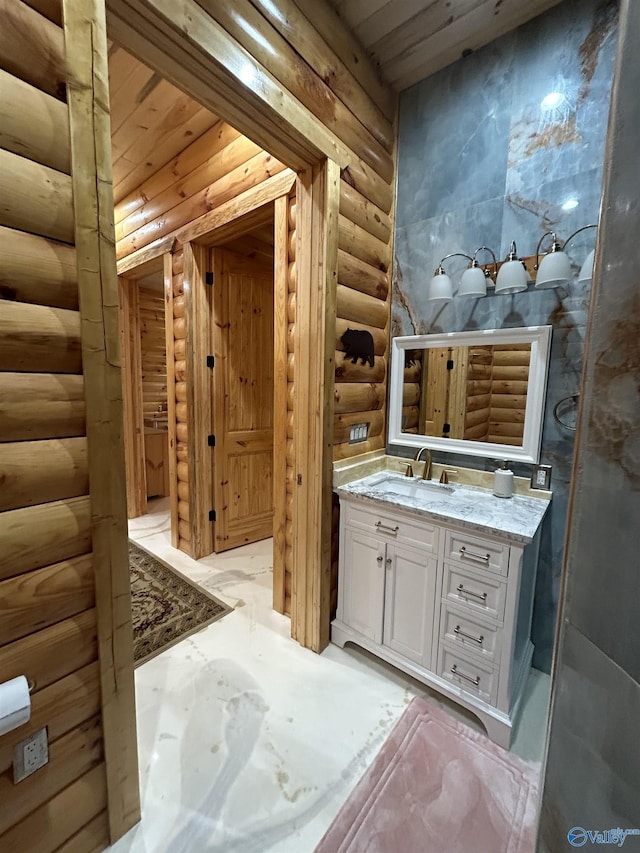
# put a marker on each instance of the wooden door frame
(130, 269)
(239, 216)
(184, 44)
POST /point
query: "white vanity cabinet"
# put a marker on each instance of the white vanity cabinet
(449, 606)
(387, 593)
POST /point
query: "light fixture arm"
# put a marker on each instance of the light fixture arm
(584, 228)
(555, 246)
(440, 269)
(495, 260)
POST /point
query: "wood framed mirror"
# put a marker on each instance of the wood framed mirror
(478, 393)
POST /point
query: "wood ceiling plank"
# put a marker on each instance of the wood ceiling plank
(157, 150)
(355, 12)
(392, 16)
(132, 92)
(121, 67)
(475, 29)
(410, 30)
(163, 100)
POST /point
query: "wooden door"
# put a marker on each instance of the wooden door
(242, 399)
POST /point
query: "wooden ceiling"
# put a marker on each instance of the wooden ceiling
(151, 121)
(409, 40)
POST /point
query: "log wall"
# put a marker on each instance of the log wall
(153, 350)
(50, 551)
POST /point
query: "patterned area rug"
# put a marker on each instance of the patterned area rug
(438, 786)
(166, 607)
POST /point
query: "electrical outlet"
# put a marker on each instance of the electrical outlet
(541, 477)
(30, 755)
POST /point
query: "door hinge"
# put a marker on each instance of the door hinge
(446, 428)
(208, 278)
(211, 440)
(450, 364)
(209, 361)
(212, 515)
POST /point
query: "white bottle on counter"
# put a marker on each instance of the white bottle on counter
(503, 481)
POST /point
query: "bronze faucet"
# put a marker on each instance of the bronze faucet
(426, 471)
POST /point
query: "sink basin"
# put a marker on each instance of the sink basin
(412, 488)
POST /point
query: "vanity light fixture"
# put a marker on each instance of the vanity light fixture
(555, 268)
(441, 287)
(512, 275)
(586, 270)
(474, 278)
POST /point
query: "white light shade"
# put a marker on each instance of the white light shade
(554, 271)
(440, 289)
(586, 270)
(512, 277)
(473, 283)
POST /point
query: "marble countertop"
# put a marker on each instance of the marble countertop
(516, 519)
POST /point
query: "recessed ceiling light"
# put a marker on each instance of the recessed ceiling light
(570, 204)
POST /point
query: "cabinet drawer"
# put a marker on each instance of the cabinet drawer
(470, 632)
(473, 676)
(476, 552)
(478, 591)
(392, 527)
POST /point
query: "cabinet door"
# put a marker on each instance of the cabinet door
(363, 578)
(410, 603)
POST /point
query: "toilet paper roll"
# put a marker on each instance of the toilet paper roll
(15, 704)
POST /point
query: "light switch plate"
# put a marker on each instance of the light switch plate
(30, 755)
(541, 477)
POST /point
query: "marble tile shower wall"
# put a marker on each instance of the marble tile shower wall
(482, 162)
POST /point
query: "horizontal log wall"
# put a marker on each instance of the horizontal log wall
(48, 625)
(153, 350)
(509, 382)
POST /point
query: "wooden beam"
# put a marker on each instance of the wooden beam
(88, 98)
(317, 202)
(41, 405)
(281, 241)
(249, 28)
(192, 50)
(171, 396)
(132, 408)
(259, 196)
(146, 260)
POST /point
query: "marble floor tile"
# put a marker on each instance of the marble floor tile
(248, 742)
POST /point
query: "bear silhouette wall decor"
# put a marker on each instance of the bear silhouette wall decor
(358, 344)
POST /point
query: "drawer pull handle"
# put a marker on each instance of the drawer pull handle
(479, 640)
(471, 555)
(381, 526)
(475, 681)
(379, 558)
(466, 592)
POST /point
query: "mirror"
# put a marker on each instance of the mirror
(477, 393)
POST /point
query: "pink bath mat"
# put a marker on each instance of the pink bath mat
(437, 786)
